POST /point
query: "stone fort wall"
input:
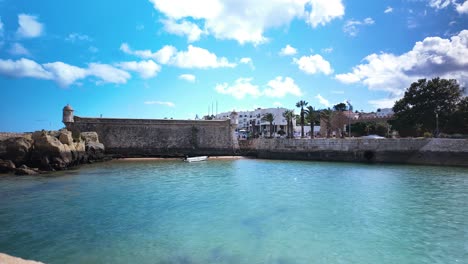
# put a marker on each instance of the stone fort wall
(159, 137)
(430, 151)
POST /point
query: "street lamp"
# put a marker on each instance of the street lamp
(437, 125)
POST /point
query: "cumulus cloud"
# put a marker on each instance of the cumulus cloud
(246, 21)
(277, 88)
(288, 51)
(239, 89)
(29, 27)
(194, 57)
(183, 28)
(169, 104)
(64, 74)
(462, 8)
(314, 64)
(188, 77)
(247, 61)
(23, 68)
(146, 69)
(432, 57)
(389, 9)
(323, 101)
(18, 49)
(351, 27)
(280, 87)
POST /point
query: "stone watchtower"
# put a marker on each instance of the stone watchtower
(67, 117)
(233, 123)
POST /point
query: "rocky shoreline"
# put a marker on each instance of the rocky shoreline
(45, 151)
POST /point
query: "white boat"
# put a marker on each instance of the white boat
(194, 159)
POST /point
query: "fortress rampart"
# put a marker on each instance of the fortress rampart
(159, 137)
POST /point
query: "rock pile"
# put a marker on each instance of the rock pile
(48, 151)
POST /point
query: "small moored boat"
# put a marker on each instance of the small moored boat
(194, 159)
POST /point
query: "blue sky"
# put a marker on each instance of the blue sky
(174, 59)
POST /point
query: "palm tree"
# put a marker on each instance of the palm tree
(289, 116)
(301, 104)
(268, 117)
(326, 116)
(311, 116)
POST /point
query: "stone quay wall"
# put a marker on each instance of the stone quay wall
(433, 151)
(159, 137)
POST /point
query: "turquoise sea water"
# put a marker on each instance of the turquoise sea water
(237, 211)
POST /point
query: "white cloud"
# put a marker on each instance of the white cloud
(327, 50)
(432, 57)
(18, 49)
(29, 27)
(280, 87)
(108, 73)
(162, 56)
(439, 4)
(73, 37)
(462, 8)
(65, 74)
(324, 11)
(23, 68)
(389, 9)
(188, 77)
(183, 28)
(194, 57)
(169, 104)
(322, 100)
(239, 89)
(277, 104)
(313, 64)
(288, 51)
(146, 69)
(351, 27)
(247, 61)
(246, 21)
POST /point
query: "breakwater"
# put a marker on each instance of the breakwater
(431, 151)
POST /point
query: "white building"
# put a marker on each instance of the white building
(252, 120)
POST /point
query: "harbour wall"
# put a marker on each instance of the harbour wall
(433, 151)
(159, 137)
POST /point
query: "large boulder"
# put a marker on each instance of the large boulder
(49, 149)
(89, 137)
(16, 149)
(65, 137)
(6, 166)
(95, 150)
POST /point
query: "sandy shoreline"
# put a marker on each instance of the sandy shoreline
(209, 158)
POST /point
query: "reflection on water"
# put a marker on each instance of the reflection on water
(237, 211)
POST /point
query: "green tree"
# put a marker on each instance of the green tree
(311, 117)
(416, 112)
(268, 117)
(301, 104)
(340, 107)
(289, 116)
